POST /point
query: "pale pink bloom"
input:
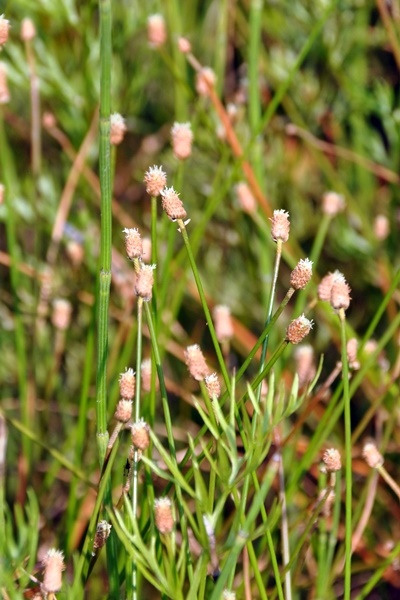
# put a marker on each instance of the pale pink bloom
(280, 226)
(163, 516)
(196, 362)
(205, 79)
(117, 129)
(155, 179)
(332, 203)
(156, 31)
(298, 329)
(172, 205)
(28, 30)
(182, 138)
(301, 274)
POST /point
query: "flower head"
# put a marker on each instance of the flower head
(182, 138)
(54, 565)
(332, 203)
(163, 516)
(155, 179)
(103, 531)
(4, 28)
(298, 329)
(305, 367)
(280, 226)
(205, 79)
(127, 384)
(301, 274)
(332, 460)
(340, 295)
(156, 31)
(172, 204)
(212, 385)
(245, 198)
(62, 312)
(184, 45)
(372, 455)
(117, 129)
(140, 434)
(123, 412)
(28, 30)
(223, 322)
(144, 282)
(196, 362)
(133, 243)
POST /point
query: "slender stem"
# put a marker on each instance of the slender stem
(170, 435)
(137, 417)
(284, 529)
(348, 462)
(203, 300)
(278, 256)
(104, 280)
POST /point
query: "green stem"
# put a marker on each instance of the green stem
(204, 305)
(103, 299)
(270, 307)
(137, 417)
(170, 435)
(348, 467)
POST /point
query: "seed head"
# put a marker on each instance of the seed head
(205, 79)
(146, 257)
(301, 274)
(127, 384)
(75, 252)
(298, 329)
(340, 295)
(245, 198)
(381, 227)
(305, 367)
(140, 434)
(48, 120)
(212, 385)
(184, 45)
(223, 322)
(133, 243)
(182, 138)
(117, 129)
(4, 28)
(372, 456)
(332, 460)
(163, 516)
(61, 316)
(123, 412)
(145, 369)
(156, 31)
(352, 347)
(155, 179)
(28, 30)
(144, 282)
(53, 564)
(172, 205)
(196, 362)
(103, 531)
(325, 286)
(280, 226)
(332, 203)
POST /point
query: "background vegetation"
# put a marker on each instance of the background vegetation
(314, 90)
